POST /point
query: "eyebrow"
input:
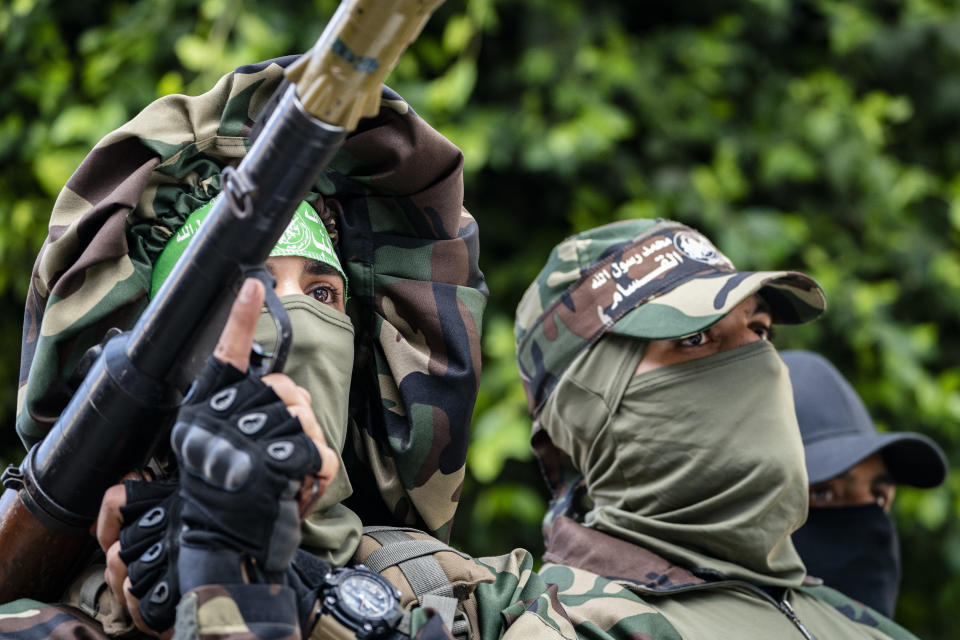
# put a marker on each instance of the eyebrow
(317, 268)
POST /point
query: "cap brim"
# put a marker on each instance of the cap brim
(700, 302)
(911, 458)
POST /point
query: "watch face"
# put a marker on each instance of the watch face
(366, 597)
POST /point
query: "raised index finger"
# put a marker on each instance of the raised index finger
(237, 335)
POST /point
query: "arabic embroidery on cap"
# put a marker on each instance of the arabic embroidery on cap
(665, 262)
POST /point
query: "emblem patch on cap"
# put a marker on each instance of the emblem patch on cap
(697, 247)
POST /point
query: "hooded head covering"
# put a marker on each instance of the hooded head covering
(668, 461)
(406, 243)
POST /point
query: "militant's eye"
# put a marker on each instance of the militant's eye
(822, 495)
(326, 294)
(764, 331)
(696, 340)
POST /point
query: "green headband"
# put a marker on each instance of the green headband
(305, 236)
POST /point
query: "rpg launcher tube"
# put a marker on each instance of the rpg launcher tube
(339, 80)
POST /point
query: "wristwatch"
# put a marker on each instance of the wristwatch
(360, 602)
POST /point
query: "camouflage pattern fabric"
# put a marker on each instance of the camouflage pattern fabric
(602, 608)
(214, 612)
(499, 594)
(610, 588)
(239, 612)
(857, 611)
(506, 588)
(409, 248)
(593, 586)
(261, 612)
(28, 619)
(520, 603)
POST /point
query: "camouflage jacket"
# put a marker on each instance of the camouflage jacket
(593, 586)
(609, 588)
(408, 246)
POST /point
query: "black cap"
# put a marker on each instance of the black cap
(838, 432)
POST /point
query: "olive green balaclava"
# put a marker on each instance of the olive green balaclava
(700, 462)
(321, 361)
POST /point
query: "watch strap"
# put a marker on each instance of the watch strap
(329, 628)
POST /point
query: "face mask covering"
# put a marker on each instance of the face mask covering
(321, 361)
(700, 462)
(854, 550)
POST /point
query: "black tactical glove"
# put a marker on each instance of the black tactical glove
(148, 546)
(242, 457)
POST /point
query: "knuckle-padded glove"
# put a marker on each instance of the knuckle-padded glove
(148, 546)
(242, 457)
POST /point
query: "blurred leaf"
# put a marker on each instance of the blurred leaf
(515, 503)
(54, 167)
(451, 92)
(457, 34)
(501, 432)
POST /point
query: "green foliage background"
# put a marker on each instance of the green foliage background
(816, 135)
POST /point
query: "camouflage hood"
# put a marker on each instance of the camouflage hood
(406, 243)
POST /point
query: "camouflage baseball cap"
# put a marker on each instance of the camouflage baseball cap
(650, 279)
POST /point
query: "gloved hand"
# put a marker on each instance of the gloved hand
(148, 546)
(220, 511)
(242, 457)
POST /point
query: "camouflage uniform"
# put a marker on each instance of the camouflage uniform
(628, 283)
(597, 586)
(408, 246)
(594, 586)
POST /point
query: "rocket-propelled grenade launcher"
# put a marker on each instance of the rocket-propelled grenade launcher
(130, 396)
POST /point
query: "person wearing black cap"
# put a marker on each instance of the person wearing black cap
(849, 539)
